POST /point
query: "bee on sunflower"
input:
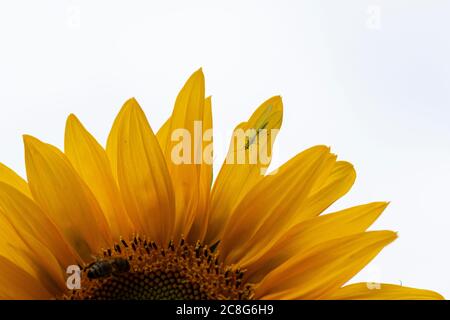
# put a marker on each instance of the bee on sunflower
(143, 226)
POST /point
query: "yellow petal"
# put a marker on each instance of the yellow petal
(13, 179)
(270, 207)
(324, 269)
(112, 143)
(91, 162)
(61, 193)
(200, 223)
(163, 134)
(17, 284)
(324, 175)
(235, 178)
(11, 244)
(305, 235)
(187, 114)
(381, 291)
(45, 265)
(22, 213)
(142, 174)
(337, 184)
(28, 253)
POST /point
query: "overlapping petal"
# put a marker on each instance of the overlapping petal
(325, 268)
(15, 283)
(183, 151)
(244, 166)
(64, 196)
(142, 173)
(91, 162)
(382, 291)
(265, 212)
(8, 176)
(302, 237)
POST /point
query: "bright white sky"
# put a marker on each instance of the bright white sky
(369, 78)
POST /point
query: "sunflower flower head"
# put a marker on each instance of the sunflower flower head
(142, 218)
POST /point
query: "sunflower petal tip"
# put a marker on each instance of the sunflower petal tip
(131, 104)
(31, 143)
(199, 76)
(386, 235)
(439, 296)
(27, 139)
(380, 205)
(132, 100)
(72, 119)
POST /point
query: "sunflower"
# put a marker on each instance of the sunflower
(135, 224)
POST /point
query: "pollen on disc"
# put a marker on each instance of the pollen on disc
(175, 272)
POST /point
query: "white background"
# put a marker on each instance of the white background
(370, 79)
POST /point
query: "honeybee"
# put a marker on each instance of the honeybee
(103, 268)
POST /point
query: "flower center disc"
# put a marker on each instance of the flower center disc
(140, 270)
